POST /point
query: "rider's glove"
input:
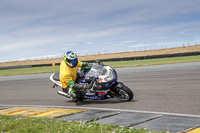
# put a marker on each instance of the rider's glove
(89, 65)
(85, 64)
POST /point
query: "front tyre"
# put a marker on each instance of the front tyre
(123, 93)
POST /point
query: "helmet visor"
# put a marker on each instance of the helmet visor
(74, 62)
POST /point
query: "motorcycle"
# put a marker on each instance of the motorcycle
(104, 83)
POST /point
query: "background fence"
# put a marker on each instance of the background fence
(105, 51)
(112, 59)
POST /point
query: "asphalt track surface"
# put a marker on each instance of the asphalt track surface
(173, 88)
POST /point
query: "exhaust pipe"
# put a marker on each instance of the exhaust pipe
(63, 94)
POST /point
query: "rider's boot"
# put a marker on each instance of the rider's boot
(74, 95)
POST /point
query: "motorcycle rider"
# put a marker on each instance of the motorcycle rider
(68, 75)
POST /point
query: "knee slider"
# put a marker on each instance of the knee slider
(75, 95)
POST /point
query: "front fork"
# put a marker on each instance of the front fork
(113, 89)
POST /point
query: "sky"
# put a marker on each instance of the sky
(34, 29)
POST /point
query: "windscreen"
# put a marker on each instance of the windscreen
(97, 70)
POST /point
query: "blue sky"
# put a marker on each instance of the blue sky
(41, 28)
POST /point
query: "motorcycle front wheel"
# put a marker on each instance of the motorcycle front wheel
(123, 93)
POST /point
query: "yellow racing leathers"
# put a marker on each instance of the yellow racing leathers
(68, 75)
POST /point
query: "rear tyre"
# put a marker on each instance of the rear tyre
(123, 93)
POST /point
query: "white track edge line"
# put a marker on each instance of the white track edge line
(109, 109)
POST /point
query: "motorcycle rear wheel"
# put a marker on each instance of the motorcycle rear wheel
(123, 94)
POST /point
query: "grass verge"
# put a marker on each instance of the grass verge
(116, 64)
(19, 124)
(160, 61)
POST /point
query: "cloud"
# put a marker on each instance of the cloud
(54, 26)
(139, 45)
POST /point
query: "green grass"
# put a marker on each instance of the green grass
(160, 61)
(114, 64)
(19, 124)
(33, 70)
